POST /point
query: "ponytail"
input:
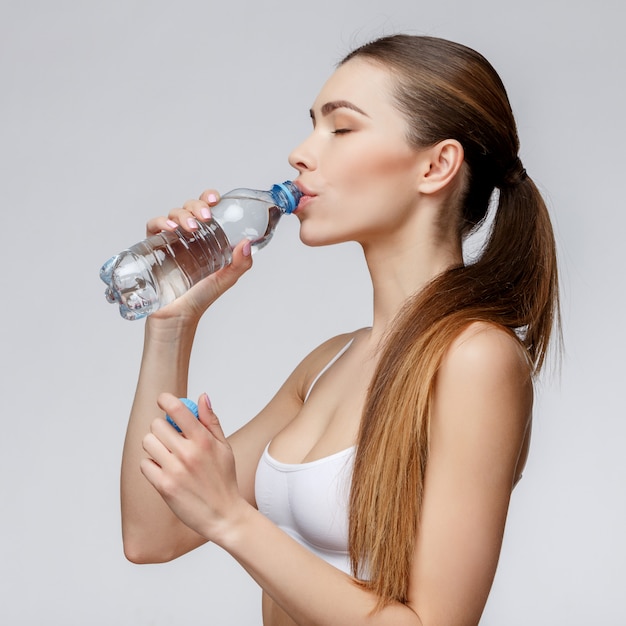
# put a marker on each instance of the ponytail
(521, 255)
(450, 91)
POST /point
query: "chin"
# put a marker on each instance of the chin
(314, 243)
(318, 239)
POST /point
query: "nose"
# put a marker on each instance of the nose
(302, 157)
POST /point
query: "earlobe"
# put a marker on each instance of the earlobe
(442, 164)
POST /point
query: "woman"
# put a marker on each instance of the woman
(374, 487)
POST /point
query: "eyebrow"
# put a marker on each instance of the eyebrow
(329, 107)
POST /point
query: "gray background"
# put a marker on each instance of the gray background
(111, 112)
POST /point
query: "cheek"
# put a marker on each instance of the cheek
(376, 166)
(379, 187)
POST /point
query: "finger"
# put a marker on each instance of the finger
(241, 263)
(210, 196)
(168, 434)
(159, 224)
(242, 256)
(185, 219)
(155, 449)
(208, 418)
(199, 209)
(186, 216)
(183, 418)
(151, 471)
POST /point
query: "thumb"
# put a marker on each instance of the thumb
(240, 264)
(208, 418)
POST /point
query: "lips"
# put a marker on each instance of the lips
(304, 200)
(307, 195)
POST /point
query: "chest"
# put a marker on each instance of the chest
(309, 501)
(329, 419)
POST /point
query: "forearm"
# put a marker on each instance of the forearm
(309, 590)
(151, 531)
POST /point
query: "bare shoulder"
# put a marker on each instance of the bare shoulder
(487, 354)
(484, 388)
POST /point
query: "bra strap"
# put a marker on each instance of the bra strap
(326, 367)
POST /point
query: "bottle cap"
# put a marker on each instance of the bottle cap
(191, 405)
(289, 192)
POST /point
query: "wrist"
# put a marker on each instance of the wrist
(168, 329)
(232, 531)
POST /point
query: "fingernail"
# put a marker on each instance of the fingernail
(192, 223)
(172, 224)
(247, 248)
(211, 198)
(208, 401)
(206, 213)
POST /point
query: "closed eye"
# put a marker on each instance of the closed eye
(341, 131)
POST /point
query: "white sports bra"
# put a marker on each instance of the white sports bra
(309, 501)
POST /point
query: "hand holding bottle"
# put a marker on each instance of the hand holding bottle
(194, 302)
(193, 243)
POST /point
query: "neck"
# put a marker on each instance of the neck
(399, 269)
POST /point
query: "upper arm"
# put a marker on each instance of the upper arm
(481, 412)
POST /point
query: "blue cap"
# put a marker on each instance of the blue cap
(286, 195)
(191, 405)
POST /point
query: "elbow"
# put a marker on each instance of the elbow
(144, 546)
(139, 550)
(135, 557)
(139, 554)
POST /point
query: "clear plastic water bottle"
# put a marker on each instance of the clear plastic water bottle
(156, 271)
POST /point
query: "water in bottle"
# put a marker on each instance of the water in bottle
(156, 271)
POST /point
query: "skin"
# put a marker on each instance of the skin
(364, 183)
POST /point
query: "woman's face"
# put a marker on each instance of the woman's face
(356, 168)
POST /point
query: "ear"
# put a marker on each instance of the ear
(441, 164)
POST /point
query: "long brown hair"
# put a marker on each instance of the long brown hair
(446, 91)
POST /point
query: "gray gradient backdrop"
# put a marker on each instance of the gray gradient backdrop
(111, 112)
